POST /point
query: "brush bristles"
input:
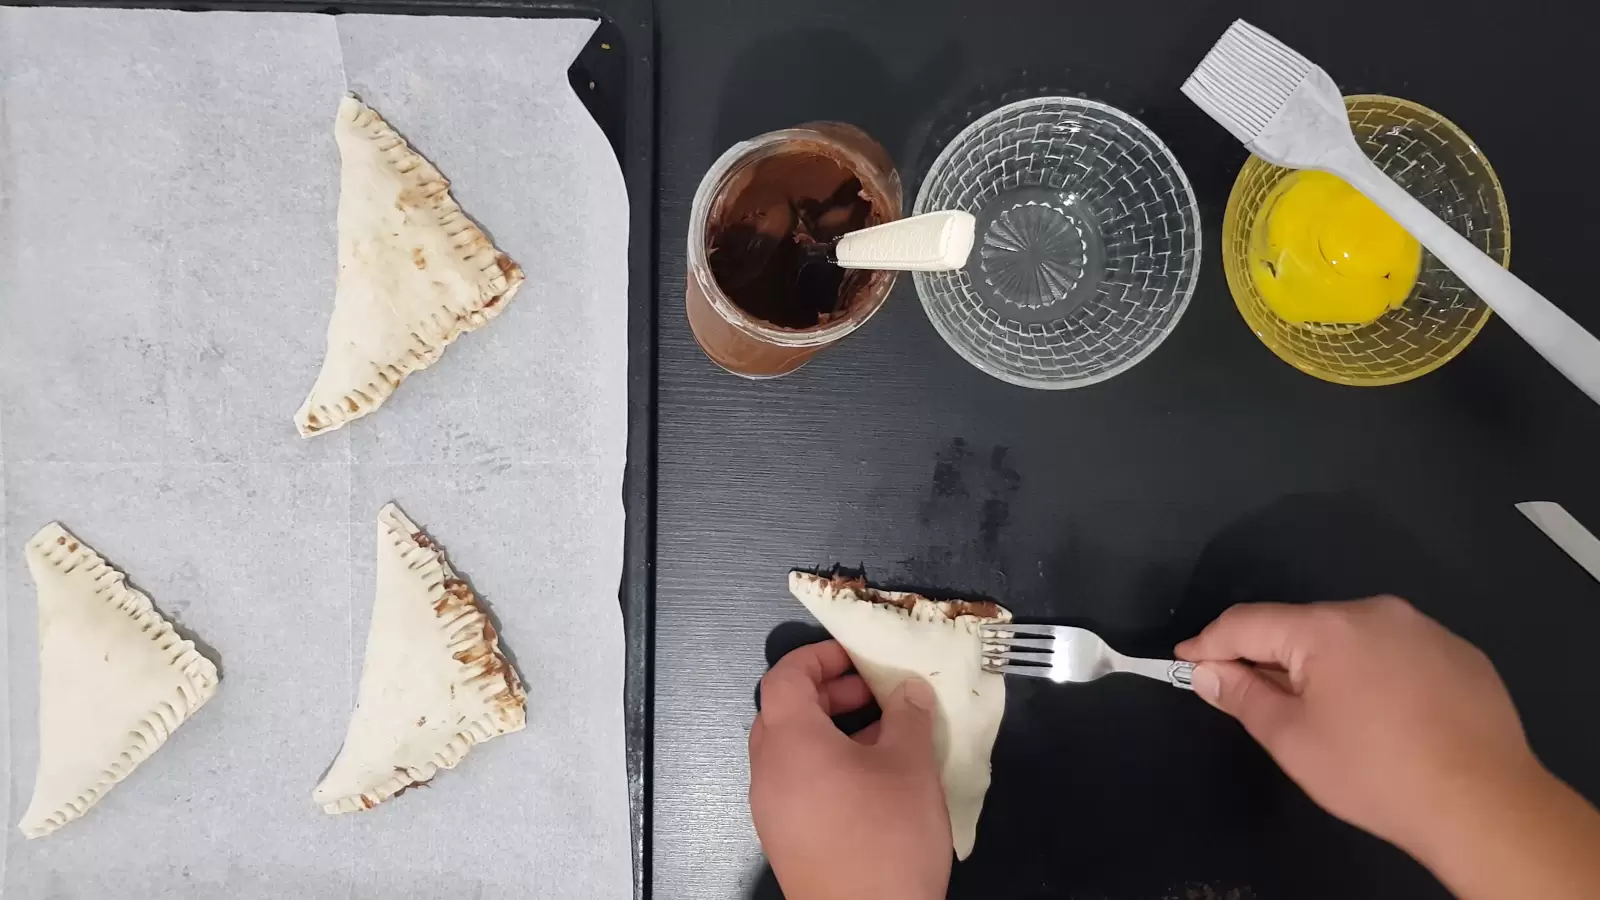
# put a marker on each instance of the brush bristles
(1246, 79)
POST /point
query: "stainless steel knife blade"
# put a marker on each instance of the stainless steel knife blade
(1568, 533)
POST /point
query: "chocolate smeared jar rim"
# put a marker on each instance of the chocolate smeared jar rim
(883, 193)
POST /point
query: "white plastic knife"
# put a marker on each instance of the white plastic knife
(1568, 533)
(932, 242)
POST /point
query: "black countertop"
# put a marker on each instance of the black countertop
(1209, 473)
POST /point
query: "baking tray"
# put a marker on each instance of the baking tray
(617, 85)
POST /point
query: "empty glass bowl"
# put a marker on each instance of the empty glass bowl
(1088, 242)
(1440, 166)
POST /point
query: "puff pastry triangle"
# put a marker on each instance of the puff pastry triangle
(892, 636)
(115, 680)
(414, 272)
(433, 683)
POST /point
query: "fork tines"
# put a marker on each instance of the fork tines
(1038, 637)
(1014, 648)
(1246, 79)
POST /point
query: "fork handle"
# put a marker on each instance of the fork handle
(1552, 333)
(1175, 672)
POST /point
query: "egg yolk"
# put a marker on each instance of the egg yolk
(1322, 252)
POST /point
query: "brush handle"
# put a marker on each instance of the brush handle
(931, 242)
(1554, 334)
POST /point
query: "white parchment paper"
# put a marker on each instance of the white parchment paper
(168, 184)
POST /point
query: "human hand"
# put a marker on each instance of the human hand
(1386, 719)
(846, 815)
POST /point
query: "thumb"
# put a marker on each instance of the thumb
(1261, 706)
(908, 719)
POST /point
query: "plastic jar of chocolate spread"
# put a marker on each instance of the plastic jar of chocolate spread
(761, 296)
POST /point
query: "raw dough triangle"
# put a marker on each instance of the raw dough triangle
(433, 682)
(414, 272)
(114, 679)
(891, 636)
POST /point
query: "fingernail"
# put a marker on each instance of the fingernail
(1206, 683)
(918, 693)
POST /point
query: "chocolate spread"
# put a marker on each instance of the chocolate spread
(983, 609)
(769, 237)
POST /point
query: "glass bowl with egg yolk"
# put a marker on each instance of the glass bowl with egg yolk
(1335, 287)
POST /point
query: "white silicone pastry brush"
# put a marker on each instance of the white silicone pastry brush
(931, 242)
(1289, 112)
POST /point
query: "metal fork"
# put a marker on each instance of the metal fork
(1062, 653)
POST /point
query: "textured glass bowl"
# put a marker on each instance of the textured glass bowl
(1088, 242)
(1440, 166)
